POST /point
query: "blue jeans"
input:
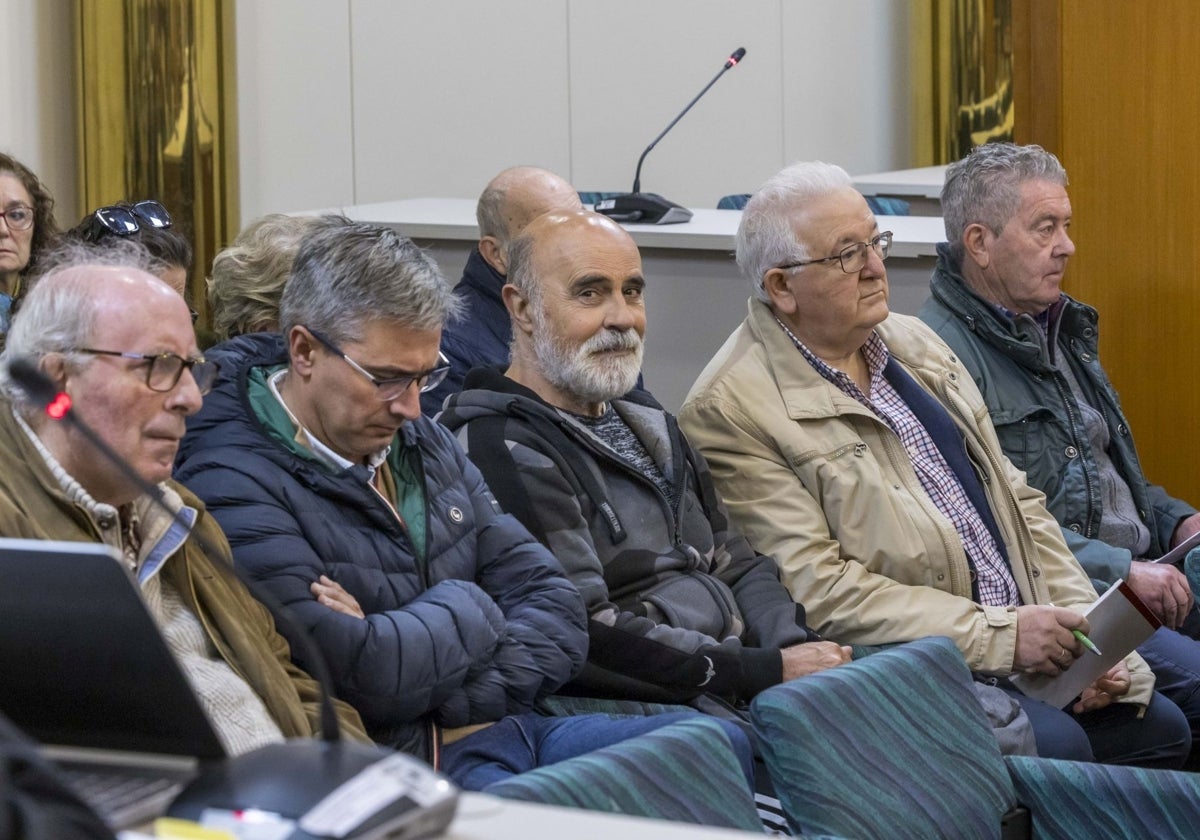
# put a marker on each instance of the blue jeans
(1112, 735)
(523, 742)
(1175, 659)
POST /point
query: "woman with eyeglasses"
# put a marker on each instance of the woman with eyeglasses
(27, 228)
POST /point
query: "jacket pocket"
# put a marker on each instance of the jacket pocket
(694, 602)
(802, 459)
(1023, 434)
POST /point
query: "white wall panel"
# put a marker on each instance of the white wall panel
(356, 101)
(847, 93)
(37, 99)
(351, 101)
(446, 94)
(635, 65)
(294, 94)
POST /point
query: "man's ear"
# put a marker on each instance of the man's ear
(977, 241)
(301, 349)
(54, 365)
(490, 250)
(776, 286)
(518, 308)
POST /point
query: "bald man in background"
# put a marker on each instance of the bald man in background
(512, 199)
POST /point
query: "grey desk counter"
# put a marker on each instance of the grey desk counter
(695, 296)
(921, 187)
(923, 182)
(483, 817)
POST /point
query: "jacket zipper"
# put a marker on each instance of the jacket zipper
(435, 731)
(418, 556)
(422, 555)
(891, 441)
(608, 455)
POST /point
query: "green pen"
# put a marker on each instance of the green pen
(1086, 642)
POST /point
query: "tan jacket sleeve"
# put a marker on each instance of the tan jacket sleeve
(842, 596)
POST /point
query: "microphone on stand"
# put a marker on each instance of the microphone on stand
(329, 787)
(652, 208)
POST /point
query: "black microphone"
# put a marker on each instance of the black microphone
(292, 777)
(652, 208)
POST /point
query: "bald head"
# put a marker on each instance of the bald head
(115, 293)
(68, 306)
(557, 237)
(512, 200)
(575, 298)
(119, 342)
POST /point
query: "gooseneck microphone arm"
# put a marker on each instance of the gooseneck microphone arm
(730, 63)
(41, 391)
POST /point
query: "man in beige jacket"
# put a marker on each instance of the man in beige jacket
(854, 447)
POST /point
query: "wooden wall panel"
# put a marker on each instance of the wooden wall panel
(1115, 89)
(1037, 72)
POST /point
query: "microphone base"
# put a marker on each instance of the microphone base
(290, 778)
(644, 209)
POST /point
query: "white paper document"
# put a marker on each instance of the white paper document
(1120, 622)
(1180, 551)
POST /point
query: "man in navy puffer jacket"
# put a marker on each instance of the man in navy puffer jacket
(441, 618)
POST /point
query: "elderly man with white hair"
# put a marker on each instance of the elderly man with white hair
(852, 445)
(119, 342)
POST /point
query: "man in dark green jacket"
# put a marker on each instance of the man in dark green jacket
(1033, 351)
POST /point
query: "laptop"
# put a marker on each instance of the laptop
(87, 673)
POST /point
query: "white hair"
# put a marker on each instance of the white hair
(765, 238)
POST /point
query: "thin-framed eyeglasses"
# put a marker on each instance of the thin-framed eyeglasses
(18, 217)
(852, 257)
(164, 370)
(391, 388)
(126, 221)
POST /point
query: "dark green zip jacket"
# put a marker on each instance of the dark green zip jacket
(1038, 419)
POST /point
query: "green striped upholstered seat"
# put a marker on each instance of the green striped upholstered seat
(894, 745)
(1070, 799)
(686, 771)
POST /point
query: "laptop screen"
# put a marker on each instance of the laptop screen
(82, 661)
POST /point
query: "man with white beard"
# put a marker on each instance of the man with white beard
(680, 608)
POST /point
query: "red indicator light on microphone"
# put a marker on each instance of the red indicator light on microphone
(59, 406)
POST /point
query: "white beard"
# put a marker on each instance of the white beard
(579, 372)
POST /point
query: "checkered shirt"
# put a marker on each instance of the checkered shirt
(993, 576)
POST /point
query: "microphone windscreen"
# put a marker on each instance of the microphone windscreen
(738, 54)
(38, 387)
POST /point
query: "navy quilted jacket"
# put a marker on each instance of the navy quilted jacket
(480, 337)
(480, 627)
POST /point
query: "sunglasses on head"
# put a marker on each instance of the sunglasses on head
(125, 221)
